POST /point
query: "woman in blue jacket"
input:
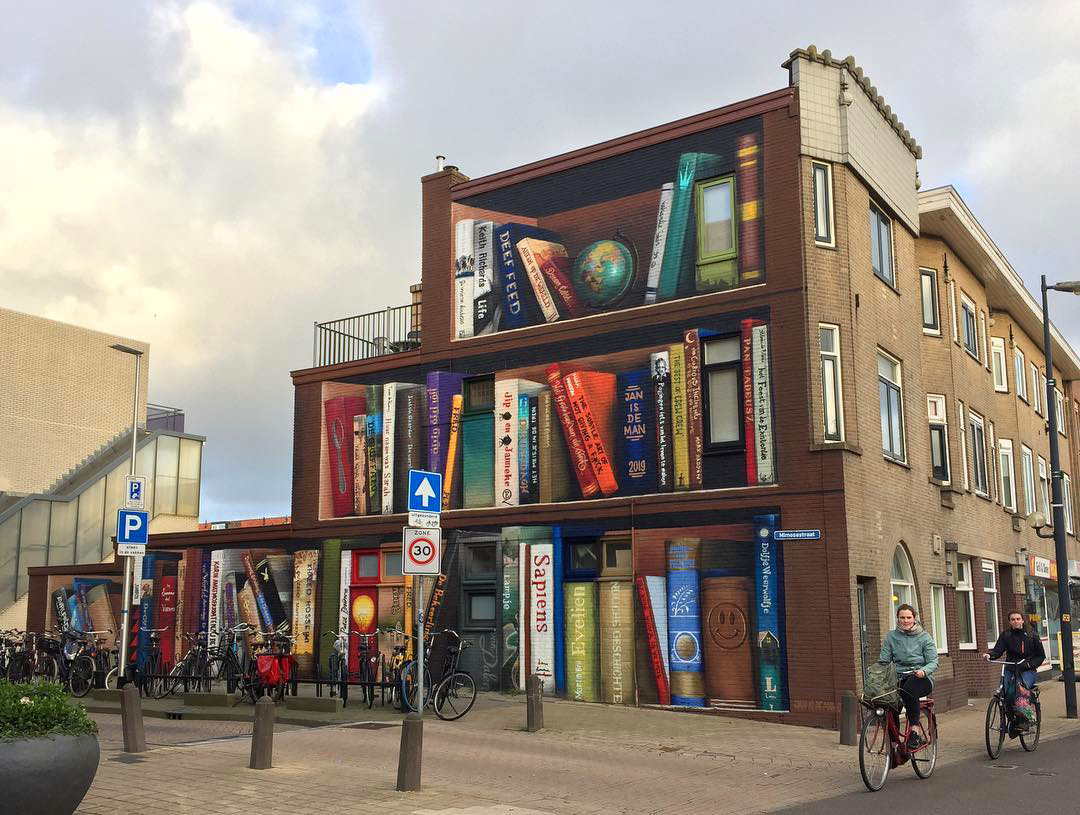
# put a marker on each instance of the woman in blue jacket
(913, 652)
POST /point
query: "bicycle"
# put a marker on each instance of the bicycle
(274, 666)
(79, 668)
(191, 670)
(223, 663)
(1000, 720)
(152, 673)
(882, 745)
(454, 692)
(369, 660)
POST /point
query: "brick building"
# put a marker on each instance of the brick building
(640, 360)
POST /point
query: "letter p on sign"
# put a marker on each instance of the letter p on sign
(132, 526)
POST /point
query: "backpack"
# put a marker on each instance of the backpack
(880, 686)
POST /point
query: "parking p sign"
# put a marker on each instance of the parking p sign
(421, 551)
(132, 528)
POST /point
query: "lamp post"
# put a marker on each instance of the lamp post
(1057, 506)
(125, 613)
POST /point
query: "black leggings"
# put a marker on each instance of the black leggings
(911, 689)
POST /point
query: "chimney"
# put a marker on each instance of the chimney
(439, 163)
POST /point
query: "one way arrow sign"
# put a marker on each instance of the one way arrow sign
(425, 491)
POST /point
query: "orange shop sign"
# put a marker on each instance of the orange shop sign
(1042, 567)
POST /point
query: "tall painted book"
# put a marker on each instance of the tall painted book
(360, 464)
(748, 197)
(684, 623)
(450, 472)
(541, 587)
(534, 449)
(660, 365)
(524, 445)
(411, 442)
(304, 606)
(582, 663)
(548, 263)
(270, 587)
(327, 601)
(483, 316)
(507, 438)
(339, 413)
(636, 446)
(768, 607)
(553, 457)
(677, 259)
(652, 599)
(656, 260)
(519, 306)
(167, 600)
(577, 454)
(389, 441)
(478, 459)
(464, 277)
(510, 627)
(729, 664)
(374, 463)
(441, 388)
(680, 436)
(694, 411)
(592, 398)
(757, 403)
(617, 641)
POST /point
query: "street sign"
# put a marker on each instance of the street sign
(130, 549)
(136, 492)
(132, 526)
(421, 551)
(425, 491)
(797, 535)
(424, 520)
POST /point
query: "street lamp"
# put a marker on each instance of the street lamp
(1057, 506)
(129, 562)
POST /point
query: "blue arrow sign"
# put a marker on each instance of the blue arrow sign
(797, 535)
(132, 526)
(425, 491)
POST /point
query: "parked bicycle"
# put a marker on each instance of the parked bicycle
(369, 660)
(883, 744)
(274, 666)
(453, 692)
(225, 664)
(83, 653)
(192, 672)
(1002, 719)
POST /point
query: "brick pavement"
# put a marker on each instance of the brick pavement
(591, 758)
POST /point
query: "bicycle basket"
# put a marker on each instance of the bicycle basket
(268, 669)
(880, 686)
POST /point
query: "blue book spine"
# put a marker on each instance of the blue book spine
(675, 264)
(636, 460)
(146, 611)
(768, 601)
(204, 593)
(519, 303)
(75, 613)
(684, 623)
(534, 449)
(524, 488)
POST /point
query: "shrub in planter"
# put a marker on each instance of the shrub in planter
(48, 750)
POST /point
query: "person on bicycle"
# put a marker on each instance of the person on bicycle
(1018, 644)
(912, 650)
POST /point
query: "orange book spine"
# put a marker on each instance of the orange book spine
(579, 458)
(590, 434)
(451, 449)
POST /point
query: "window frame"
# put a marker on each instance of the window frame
(1008, 497)
(1036, 397)
(838, 383)
(968, 308)
(939, 620)
(952, 310)
(478, 583)
(700, 188)
(1020, 372)
(1027, 471)
(937, 415)
(934, 328)
(1059, 411)
(879, 220)
(829, 239)
(908, 582)
(977, 425)
(997, 352)
(963, 443)
(965, 586)
(989, 567)
(889, 453)
(706, 395)
(1044, 490)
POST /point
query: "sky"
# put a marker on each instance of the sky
(213, 177)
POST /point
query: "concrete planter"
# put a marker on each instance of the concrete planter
(48, 775)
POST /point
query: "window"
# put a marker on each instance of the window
(391, 564)
(1066, 488)
(892, 418)
(618, 557)
(478, 605)
(939, 437)
(367, 566)
(1036, 396)
(930, 321)
(881, 245)
(902, 581)
(723, 394)
(480, 561)
(978, 452)
(1059, 409)
(992, 461)
(832, 396)
(965, 605)
(1027, 469)
(716, 227)
(952, 310)
(823, 232)
(997, 358)
(1020, 376)
(937, 613)
(583, 558)
(989, 574)
(1044, 490)
(479, 608)
(971, 338)
(1005, 462)
(963, 443)
(984, 351)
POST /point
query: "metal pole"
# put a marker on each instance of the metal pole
(420, 645)
(1057, 509)
(125, 613)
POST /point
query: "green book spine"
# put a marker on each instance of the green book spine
(328, 599)
(675, 266)
(478, 459)
(554, 459)
(582, 648)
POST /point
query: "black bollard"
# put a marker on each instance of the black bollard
(411, 753)
(131, 719)
(849, 719)
(534, 704)
(262, 738)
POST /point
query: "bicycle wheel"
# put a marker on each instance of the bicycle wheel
(177, 676)
(409, 689)
(367, 680)
(110, 679)
(81, 676)
(874, 752)
(996, 724)
(19, 669)
(455, 696)
(48, 669)
(924, 759)
(152, 678)
(1029, 739)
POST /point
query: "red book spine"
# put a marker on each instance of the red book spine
(167, 617)
(590, 434)
(748, 400)
(694, 424)
(555, 269)
(653, 641)
(578, 457)
(748, 191)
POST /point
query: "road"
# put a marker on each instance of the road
(1017, 782)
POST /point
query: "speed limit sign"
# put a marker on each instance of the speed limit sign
(421, 551)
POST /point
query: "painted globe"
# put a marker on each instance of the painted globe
(603, 273)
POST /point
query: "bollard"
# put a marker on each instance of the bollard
(849, 719)
(262, 737)
(410, 754)
(131, 719)
(534, 704)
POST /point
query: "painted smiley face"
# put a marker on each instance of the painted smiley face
(727, 625)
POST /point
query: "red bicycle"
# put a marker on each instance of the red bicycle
(883, 745)
(274, 666)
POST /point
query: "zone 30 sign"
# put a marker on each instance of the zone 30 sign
(421, 551)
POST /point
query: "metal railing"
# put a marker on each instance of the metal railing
(378, 333)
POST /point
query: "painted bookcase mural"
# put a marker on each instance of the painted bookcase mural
(673, 220)
(689, 414)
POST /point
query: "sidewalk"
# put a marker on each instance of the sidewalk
(591, 758)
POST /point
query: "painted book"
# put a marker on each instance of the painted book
(542, 585)
(582, 649)
(267, 619)
(652, 600)
(390, 458)
(636, 446)
(729, 663)
(592, 398)
(60, 609)
(478, 459)
(694, 411)
(656, 260)
(360, 464)
(282, 568)
(534, 449)
(768, 612)
(441, 387)
(687, 679)
(680, 436)
(552, 266)
(167, 600)
(78, 621)
(509, 611)
(507, 438)
(746, 352)
(270, 585)
(764, 463)
(554, 476)
(617, 641)
(677, 259)
(98, 607)
(660, 365)
(519, 306)
(450, 474)
(345, 580)
(213, 625)
(578, 457)
(204, 595)
(327, 600)
(305, 580)
(544, 298)
(524, 451)
(181, 605)
(464, 277)
(374, 463)
(247, 607)
(339, 413)
(484, 280)
(410, 441)
(748, 201)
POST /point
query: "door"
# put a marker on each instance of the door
(864, 645)
(362, 619)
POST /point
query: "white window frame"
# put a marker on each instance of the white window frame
(984, 351)
(1020, 374)
(992, 464)
(952, 311)
(967, 306)
(976, 422)
(1044, 490)
(938, 618)
(838, 396)
(877, 219)
(963, 444)
(931, 275)
(1000, 369)
(829, 240)
(1027, 469)
(990, 568)
(1036, 397)
(899, 384)
(1059, 408)
(937, 414)
(1007, 466)
(964, 586)
(907, 583)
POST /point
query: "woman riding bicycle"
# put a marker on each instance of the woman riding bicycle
(1018, 644)
(913, 652)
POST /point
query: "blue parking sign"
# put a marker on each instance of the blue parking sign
(132, 526)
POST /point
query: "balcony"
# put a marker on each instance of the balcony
(378, 333)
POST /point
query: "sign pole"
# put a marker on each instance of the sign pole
(420, 644)
(129, 562)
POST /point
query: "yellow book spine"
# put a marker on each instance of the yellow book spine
(680, 436)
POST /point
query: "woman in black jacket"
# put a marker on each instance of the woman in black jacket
(1019, 645)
